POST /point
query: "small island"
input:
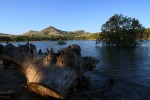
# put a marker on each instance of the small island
(61, 42)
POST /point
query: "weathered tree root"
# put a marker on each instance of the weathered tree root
(54, 74)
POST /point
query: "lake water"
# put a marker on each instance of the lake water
(129, 68)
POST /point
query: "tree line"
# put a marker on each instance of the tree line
(93, 36)
(49, 38)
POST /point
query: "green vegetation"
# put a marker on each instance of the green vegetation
(61, 42)
(122, 31)
(147, 33)
(49, 34)
(49, 37)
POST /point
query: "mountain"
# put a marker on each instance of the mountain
(82, 32)
(51, 31)
(31, 32)
(54, 31)
(3, 34)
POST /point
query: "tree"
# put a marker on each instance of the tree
(147, 33)
(122, 31)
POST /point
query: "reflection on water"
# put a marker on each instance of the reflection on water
(130, 64)
(129, 67)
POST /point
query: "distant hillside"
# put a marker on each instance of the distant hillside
(54, 31)
(51, 31)
(31, 32)
(3, 34)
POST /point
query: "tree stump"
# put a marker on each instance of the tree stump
(52, 75)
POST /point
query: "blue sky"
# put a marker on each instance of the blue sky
(20, 16)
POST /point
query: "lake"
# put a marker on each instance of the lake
(129, 68)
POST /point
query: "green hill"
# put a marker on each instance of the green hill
(53, 31)
(3, 34)
(30, 33)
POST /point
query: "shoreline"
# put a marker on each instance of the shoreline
(47, 41)
(63, 40)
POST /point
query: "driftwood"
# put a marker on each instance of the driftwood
(54, 74)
